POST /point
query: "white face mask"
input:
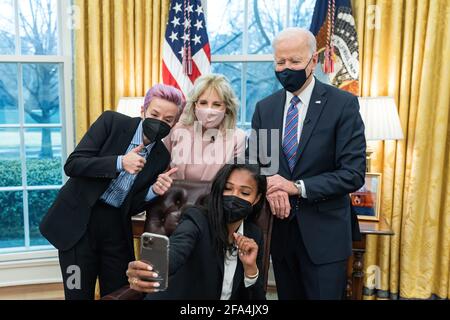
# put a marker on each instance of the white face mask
(209, 118)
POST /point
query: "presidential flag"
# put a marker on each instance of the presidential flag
(186, 51)
(337, 43)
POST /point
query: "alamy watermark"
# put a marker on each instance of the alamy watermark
(373, 277)
(74, 279)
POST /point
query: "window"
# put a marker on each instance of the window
(240, 35)
(35, 73)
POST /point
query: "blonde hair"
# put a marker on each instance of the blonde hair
(223, 88)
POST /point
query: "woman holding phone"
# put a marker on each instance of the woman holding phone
(215, 251)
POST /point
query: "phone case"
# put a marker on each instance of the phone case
(155, 251)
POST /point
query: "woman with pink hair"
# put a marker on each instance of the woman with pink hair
(116, 169)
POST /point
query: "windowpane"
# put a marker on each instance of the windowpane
(10, 167)
(266, 19)
(41, 93)
(11, 219)
(301, 12)
(31, 130)
(42, 40)
(43, 152)
(225, 21)
(7, 27)
(39, 201)
(9, 112)
(233, 73)
(260, 82)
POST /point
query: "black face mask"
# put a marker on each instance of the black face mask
(155, 129)
(236, 208)
(293, 80)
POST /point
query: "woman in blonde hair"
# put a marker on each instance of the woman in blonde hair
(206, 137)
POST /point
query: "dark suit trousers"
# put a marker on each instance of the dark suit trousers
(298, 278)
(102, 252)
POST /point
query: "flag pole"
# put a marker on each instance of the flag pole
(328, 64)
(187, 53)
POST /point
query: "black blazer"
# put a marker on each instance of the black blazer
(331, 162)
(91, 167)
(196, 270)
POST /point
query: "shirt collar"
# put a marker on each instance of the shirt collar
(240, 230)
(139, 139)
(305, 95)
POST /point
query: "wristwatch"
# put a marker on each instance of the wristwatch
(299, 187)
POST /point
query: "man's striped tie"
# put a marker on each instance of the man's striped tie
(290, 142)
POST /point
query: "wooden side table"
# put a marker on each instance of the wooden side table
(355, 270)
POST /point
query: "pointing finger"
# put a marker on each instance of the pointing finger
(171, 171)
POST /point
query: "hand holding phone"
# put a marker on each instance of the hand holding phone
(137, 271)
(155, 252)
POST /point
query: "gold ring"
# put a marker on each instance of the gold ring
(135, 280)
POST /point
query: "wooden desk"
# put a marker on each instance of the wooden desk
(355, 274)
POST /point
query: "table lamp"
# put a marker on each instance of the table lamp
(381, 121)
(131, 106)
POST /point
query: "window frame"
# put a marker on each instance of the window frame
(244, 58)
(65, 65)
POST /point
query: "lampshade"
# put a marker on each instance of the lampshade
(131, 106)
(380, 118)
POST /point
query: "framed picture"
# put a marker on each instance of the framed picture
(366, 201)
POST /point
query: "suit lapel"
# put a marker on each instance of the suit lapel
(238, 277)
(316, 104)
(220, 261)
(126, 136)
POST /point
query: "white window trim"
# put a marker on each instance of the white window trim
(242, 58)
(40, 265)
(67, 53)
(28, 255)
(31, 59)
(29, 267)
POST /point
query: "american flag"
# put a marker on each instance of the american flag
(186, 51)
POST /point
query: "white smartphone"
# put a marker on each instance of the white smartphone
(155, 252)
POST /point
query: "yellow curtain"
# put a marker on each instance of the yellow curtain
(117, 53)
(117, 49)
(404, 53)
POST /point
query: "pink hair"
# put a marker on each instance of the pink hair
(167, 93)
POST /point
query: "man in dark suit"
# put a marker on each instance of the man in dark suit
(115, 170)
(315, 156)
